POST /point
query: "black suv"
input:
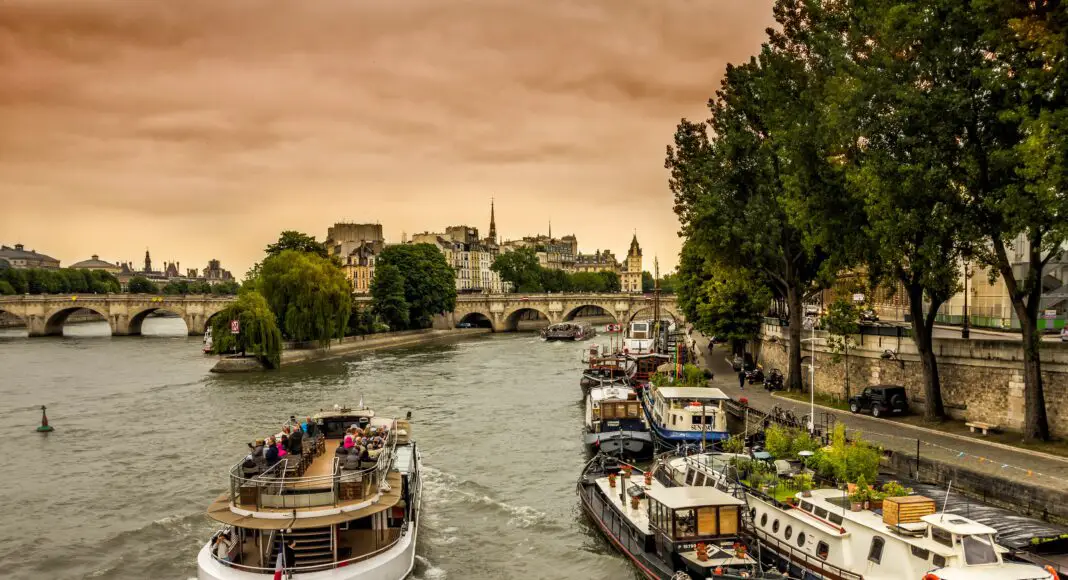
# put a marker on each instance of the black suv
(881, 399)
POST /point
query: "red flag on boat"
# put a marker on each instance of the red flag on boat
(279, 566)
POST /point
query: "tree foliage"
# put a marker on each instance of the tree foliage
(308, 294)
(842, 322)
(296, 241)
(387, 291)
(179, 287)
(520, 268)
(258, 332)
(648, 283)
(429, 281)
(719, 301)
(141, 285)
(58, 281)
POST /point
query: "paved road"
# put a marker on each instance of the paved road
(900, 437)
(943, 331)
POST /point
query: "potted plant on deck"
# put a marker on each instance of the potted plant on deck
(859, 497)
(804, 482)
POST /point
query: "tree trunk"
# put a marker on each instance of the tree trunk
(1036, 425)
(845, 345)
(922, 335)
(793, 297)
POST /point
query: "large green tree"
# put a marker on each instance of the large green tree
(648, 284)
(721, 301)
(429, 281)
(387, 292)
(308, 294)
(520, 268)
(257, 334)
(141, 285)
(297, 241)
(759, 185)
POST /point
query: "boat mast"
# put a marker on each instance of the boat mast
(656, 299)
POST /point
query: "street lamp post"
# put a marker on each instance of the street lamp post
(965, 331)
(810, 322)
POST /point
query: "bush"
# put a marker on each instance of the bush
(847, 461)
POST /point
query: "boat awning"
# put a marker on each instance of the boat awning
(693, 393)
(762, 455)
(691, 497)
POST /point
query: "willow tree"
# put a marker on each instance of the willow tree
(257, 333)
(759, 185)
(308, 294)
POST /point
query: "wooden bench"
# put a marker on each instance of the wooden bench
(980, 426)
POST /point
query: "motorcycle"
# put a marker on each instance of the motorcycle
(774, 381)
(754, 375)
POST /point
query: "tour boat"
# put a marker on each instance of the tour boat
(614, 423)
(614, 367)
(352, 516)
(668, 533)
(569, 331)
(640, 337)
(685, 415)
(207, 341)
(820, 537)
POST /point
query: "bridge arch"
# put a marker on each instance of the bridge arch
(512, 318)
(13, 323)
(139, 316)
(476, 319)
(601, 310)
(678, 318)
(55, 319)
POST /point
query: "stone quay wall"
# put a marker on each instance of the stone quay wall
(982, 380)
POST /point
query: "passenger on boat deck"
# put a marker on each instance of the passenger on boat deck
(283, 446)
(272, 452)
(350, 439)
(222, 547)
(296, 441)
(309, 427)
(341, 450)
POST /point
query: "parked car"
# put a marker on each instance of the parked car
(868, 315)
(880, 400)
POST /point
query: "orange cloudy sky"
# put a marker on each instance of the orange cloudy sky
(201, 128)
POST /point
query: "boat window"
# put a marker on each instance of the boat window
(920, 553)
(700, 479)
(938, 561)
(685, 524)
(822, 550)
(942, 537)
(775, 527)
(978, 550)
(706, 521)
(806, 506)
(711, 482)
(801, 540)
(690, 476)
(788, 532)
(821, 513)
(835, 518)
(764, 521)
(728, 520)
(875, 552)
(632, 409)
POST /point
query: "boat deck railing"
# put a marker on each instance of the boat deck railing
(403, 531)
(278, 488)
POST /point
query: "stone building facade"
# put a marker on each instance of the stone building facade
(19, 257)
(982, 380)
(631, 277)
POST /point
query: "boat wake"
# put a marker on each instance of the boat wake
(446, 488)
(425, 570)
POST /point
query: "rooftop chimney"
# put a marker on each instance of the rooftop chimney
(19, 247)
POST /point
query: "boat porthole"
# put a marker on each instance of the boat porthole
(788, 532)
(801, 540)
(775, 527)
(764, 521)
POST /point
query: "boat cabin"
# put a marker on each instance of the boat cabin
(614, 407)
(687, 521)
(689, 408)
(971, 543)
(646, 365)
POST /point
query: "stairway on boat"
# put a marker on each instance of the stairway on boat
(313, 547)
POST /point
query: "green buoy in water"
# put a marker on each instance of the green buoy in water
(45, 427)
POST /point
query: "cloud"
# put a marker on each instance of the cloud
(203, 128)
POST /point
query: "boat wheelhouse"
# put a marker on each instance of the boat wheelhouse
(640, 337)
(820, 537)
(684, 415)
(615, 424)
(349, 515)
(646, 365)
(668, 533)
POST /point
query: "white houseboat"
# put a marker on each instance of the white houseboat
(685, 415)
(337, 515)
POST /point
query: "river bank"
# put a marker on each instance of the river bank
(298, 353)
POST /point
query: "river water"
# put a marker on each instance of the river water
(145, 435)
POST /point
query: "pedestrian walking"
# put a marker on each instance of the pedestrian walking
(741, 380)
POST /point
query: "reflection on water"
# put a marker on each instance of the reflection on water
(170, 326)
(144, 436)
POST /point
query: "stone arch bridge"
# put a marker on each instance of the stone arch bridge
(45, 314)
(504, 311)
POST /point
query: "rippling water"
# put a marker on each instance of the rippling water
(144, 436)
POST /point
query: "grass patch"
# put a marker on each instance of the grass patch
(781, 491)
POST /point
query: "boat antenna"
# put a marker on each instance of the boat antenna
(704, 426)
(946, 502)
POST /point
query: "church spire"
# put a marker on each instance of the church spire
(148, 261)
(550, 229)
(493, 223)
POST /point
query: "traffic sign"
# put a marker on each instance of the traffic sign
(235, 327)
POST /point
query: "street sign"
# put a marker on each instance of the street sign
(858, 297)
(612, 328)
(235, 327)
(1049, 314)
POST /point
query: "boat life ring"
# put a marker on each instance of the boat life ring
(1053, 575)
(930, 576)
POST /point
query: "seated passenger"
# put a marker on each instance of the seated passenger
(282, 444)
(341, 451)
(352, 462)
(296, 442)
(272, 452)
(349, 440)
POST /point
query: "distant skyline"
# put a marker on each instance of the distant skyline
(202, 129)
